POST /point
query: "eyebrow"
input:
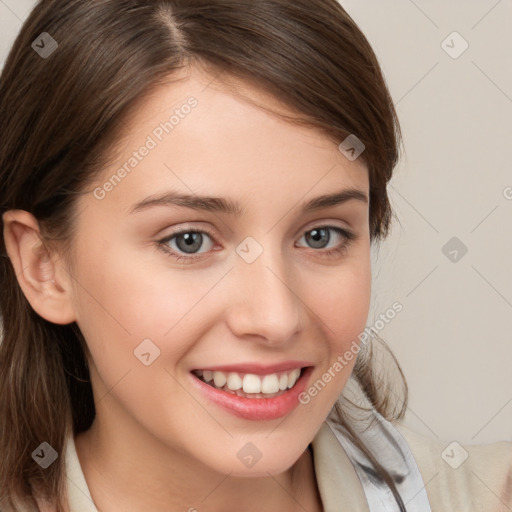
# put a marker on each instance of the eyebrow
(231, 207)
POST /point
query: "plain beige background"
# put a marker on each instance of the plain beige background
(453, 336)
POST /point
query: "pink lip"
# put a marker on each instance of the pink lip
(259, 369)
(256, 408)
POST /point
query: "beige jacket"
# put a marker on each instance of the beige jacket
(480, 483)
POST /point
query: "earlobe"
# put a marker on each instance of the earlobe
(44, 283)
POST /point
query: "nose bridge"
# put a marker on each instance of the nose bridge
(267, 304)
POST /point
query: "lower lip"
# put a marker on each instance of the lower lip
(256, 408)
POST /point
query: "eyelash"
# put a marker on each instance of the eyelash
(348, 237)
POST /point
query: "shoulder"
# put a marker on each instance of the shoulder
(469, 477)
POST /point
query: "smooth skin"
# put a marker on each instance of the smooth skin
(157, 443)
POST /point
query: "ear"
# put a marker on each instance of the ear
(42, 276)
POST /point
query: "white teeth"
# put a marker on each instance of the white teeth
(251, 384)
(219, 378)
(292, 378)
(270, 384)
(283, 382)
(234, 381)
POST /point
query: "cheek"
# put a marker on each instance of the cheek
(341, 303)
(122, 290)
(346, 302)
(342, 300)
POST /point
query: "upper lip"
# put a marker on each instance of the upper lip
(258, 368)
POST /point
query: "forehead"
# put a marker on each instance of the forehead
(197, 133)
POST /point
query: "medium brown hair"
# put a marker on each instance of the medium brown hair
(60, 118)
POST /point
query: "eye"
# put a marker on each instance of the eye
(319, 236)
(183, 244)
(186, 241)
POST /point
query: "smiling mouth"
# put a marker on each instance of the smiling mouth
(250, 385)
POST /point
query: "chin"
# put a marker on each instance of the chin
(275, 463)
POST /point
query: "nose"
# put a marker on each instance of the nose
(263, 302)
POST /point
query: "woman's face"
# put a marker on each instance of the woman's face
(250, 297)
